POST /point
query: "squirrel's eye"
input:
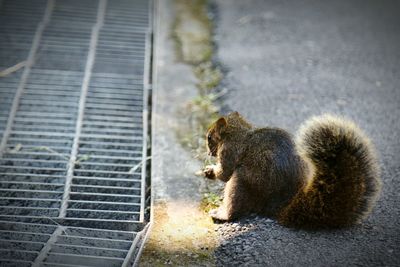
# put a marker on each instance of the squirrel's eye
(209, 137)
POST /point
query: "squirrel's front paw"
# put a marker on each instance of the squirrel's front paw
(209, 172)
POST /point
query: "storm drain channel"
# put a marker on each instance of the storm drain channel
(74, 169)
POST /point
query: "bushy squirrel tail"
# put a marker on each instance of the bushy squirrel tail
(343, 181)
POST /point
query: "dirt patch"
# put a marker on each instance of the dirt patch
(181, 236)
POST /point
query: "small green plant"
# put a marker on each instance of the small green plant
(209, 77)
(198, 116)
(82, 159)
(210, 201)
(137, 166)
(18, 148)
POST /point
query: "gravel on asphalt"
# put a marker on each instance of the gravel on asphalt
(285, 61)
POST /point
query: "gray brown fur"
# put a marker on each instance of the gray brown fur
(329, 177)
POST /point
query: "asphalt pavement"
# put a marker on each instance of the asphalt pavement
(285, 61)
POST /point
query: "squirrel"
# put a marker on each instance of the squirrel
(326, 177)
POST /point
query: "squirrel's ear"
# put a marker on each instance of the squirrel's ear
(221, 125)
(235, 114)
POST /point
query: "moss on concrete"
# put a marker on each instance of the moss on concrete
(192, 29)
(193, 35)
(209, 77)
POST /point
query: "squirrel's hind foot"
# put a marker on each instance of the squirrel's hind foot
(219, 214)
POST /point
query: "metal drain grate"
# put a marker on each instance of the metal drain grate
(25, 244)
(74, 185)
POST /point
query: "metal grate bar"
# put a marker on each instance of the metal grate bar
(46, 248)
(129, 256)
(85, 86)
